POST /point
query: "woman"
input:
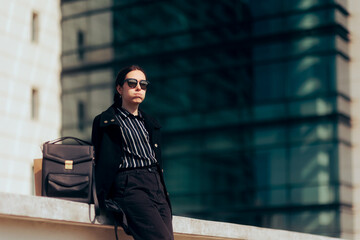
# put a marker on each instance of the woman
(128, 160)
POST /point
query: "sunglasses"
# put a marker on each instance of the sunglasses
(132, 83)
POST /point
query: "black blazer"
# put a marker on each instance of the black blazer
(107, 141)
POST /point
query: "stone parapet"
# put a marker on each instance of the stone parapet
(30, 217)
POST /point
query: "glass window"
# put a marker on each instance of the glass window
(81, 115)
(312, 132)
(35, 27)
(265, 7)
(325, 222)
(80, 44)
(278, 220)
(312, 164)
(269, 111)
(324, 194)
(291, 5)
(268, 51)
(273, 197)
(309, 20)
(269, 136)
(311, 45)
(308, 76)
(290, 22)
(34, 103)
(279, 51)
(269, 26)
(270, 167)
(269, 82)
(312, 107)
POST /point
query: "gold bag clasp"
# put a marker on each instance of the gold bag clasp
(69, 164)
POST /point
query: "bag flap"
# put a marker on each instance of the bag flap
(68, 180)
(62, 152)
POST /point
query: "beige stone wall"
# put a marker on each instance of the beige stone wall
(24, 65)
(351, 218)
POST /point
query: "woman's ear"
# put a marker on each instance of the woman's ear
(119, 89)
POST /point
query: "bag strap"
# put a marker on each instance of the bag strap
(116, 230)
(96, 201)
(79, 141)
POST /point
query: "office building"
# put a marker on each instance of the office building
(255, 98)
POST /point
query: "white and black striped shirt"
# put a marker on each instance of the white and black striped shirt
(136, 144)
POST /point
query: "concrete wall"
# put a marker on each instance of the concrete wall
(29, 217)
(353, 220)
(92, 88)
(27, 64)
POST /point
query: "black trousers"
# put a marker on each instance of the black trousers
(141, 196)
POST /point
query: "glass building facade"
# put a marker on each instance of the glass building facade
(253, 96)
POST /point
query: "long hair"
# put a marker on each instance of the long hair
(120, 78)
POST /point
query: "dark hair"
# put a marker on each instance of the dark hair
(121, 77)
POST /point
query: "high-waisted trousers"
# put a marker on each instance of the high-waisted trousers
(141, 196)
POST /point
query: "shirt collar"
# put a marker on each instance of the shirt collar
(125, 113)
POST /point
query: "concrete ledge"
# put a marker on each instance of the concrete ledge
(30, 217)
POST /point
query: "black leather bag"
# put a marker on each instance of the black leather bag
(68, 170)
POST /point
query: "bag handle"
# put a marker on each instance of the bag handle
(79, 141)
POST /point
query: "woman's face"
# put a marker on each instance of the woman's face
(131, 96)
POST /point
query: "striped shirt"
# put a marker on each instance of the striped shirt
(136, 143)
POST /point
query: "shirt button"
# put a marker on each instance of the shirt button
(112, 120)
(105, 121)
(156, 145)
